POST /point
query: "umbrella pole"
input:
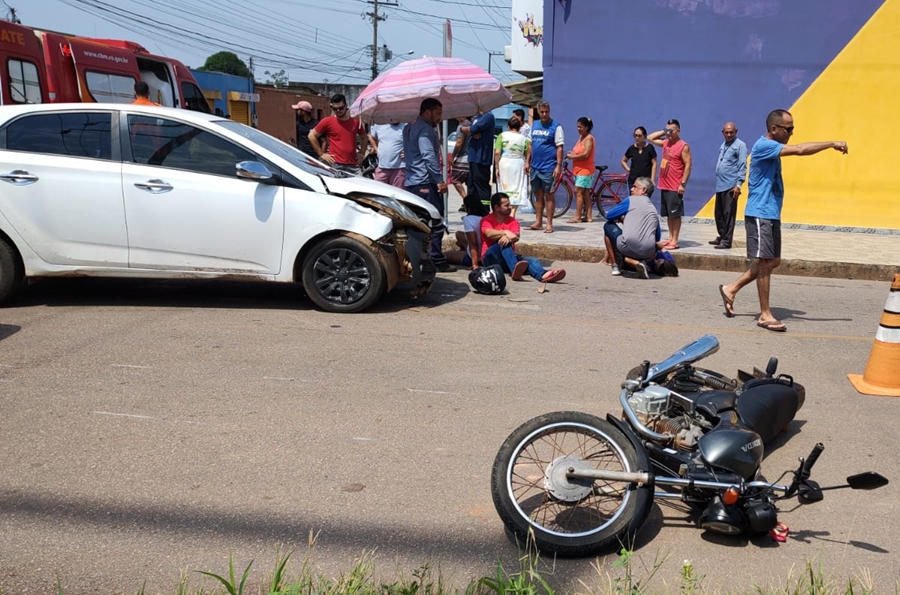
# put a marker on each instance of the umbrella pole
(444, 161)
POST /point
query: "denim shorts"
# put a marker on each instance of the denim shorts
(541, 180)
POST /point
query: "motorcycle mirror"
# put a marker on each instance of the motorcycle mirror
(867, 481)
(773, 365)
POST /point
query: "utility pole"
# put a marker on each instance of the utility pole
(491, 58)
(375, 17)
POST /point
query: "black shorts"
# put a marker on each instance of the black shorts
(671, 204)
(763, 237)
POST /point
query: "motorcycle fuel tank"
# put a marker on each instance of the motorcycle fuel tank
(735, 449)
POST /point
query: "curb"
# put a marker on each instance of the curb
(708, 262)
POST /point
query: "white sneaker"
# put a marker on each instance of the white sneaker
(615, 271)
(642, 271)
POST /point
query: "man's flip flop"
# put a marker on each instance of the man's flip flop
(520, 269)
(533, 228)
(554, 276)
(774, 326)
(728, 304)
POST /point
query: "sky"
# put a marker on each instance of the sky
(312, 40)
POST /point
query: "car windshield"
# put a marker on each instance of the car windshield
(284, 150)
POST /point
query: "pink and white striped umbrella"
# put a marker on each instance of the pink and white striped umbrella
(460, 86)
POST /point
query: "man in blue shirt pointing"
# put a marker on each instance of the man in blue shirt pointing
(762, 215)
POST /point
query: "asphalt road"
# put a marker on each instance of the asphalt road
(155, 428)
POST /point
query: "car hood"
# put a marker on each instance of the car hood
(358, 184)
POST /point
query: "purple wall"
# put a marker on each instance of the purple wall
(628, 63)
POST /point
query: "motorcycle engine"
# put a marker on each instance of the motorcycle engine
(652, 406)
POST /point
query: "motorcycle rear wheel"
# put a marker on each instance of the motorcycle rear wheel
(568, 517)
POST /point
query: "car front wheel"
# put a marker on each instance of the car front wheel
(343, 275)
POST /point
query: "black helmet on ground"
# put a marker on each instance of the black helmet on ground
(489, 279)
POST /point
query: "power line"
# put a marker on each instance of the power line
(132, 20)
(275, 38)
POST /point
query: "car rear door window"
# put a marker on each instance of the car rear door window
(168, 143)
(76, 134)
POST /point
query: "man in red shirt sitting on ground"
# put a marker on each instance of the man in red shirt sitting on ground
(499, 234)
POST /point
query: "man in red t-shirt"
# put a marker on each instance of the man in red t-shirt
(499, 234)
(342, 132)
(674, 172)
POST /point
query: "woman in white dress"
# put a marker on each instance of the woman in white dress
(510, 149)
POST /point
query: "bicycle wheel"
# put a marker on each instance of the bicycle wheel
(562, 197)
(611, 193)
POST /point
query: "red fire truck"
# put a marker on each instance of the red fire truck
(44, 66)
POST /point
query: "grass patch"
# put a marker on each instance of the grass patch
(626, 576)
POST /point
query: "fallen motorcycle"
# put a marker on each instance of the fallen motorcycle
(578, 485)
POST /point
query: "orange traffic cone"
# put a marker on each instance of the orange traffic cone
(882, 375)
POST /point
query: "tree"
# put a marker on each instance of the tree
(226, 62)
(277, 79)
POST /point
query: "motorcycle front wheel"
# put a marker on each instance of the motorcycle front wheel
(568, 517)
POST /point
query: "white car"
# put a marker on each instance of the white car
(112, 190)
(451, 141)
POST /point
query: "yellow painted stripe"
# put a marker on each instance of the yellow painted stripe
(848, 102)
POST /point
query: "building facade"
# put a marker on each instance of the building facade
(276, 117)
(835, 64)
(229, 95)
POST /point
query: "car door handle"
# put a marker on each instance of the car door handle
(19, 177)
(154, 186)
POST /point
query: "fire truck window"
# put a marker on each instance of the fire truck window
(167, 143)
(110, 88)
(193, 98)
(73, 134)
(24, 84)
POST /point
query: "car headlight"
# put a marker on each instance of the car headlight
(395, 205)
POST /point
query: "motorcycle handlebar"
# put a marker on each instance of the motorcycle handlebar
(806, 469)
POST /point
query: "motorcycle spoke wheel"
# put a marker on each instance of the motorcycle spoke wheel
(538, 488)
(568, 516)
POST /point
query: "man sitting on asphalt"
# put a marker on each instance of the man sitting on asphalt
(499, 235)
(639, 237)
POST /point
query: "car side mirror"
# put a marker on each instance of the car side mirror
(253, 170)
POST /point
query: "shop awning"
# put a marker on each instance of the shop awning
(527, 92)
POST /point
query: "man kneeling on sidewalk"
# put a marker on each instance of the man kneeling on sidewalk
(639, 237)
(499, 235)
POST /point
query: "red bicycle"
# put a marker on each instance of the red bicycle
(607, 191)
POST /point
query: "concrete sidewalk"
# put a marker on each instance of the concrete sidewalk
(807, 251)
